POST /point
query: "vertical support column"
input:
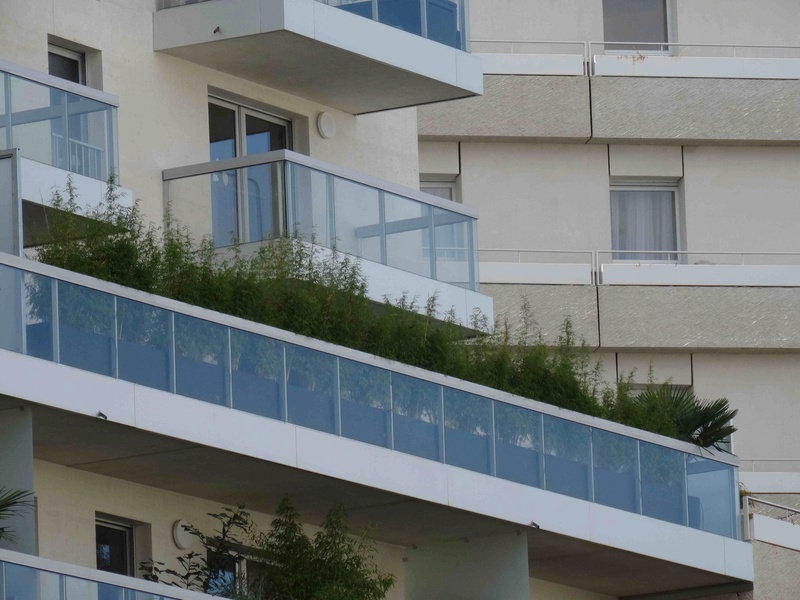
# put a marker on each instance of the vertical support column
(16, 472)
(10, 203)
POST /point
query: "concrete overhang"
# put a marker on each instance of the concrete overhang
(318, 52)
(174, 443)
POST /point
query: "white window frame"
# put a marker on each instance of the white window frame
(443, 182)
(79, 57)
(129, 529)
(672, 26)
(652, 187)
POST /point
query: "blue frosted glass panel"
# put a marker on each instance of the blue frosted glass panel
(417, 417)
(468, 431)
(39, 316)
(567, 456)
(144, 337)
(712, 496)
(311, 388)
(616, 470)
(443, 18)
(663, 483)
(365, 393)
(518, 444)
(402, 14)
(86, 328)
(257, 374)
(201, 358)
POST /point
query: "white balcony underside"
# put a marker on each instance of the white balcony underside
(318, 52)
(168, 441)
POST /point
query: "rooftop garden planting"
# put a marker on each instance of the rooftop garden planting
(293, 286)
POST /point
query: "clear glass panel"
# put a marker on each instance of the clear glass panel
(311, 388)
(643, 220)
(452, 233)
(89, 122)
(257, 374)
(224, 190)
(86, 329)
(24, 583)
(11, 332)
(37, 122)
(712, 496)
(663, 483)
(309, 209)
(518, 444)
(468, 431)
(567, 455)
(39, 316)
(264, 201)
(616, 470)
(366, 397)
(107, 592)
(408, 228)
(357, 216)
(443, 22)
(144, 340)
(81, 589)
(417, 417)
(5, 143)
(403, 14)
(201, 359)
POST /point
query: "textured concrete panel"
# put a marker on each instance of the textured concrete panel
(518, 107)
(699, 317)
(695, 110)
(550, 306)
(776, 572)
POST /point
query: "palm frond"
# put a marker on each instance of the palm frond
(12, 503)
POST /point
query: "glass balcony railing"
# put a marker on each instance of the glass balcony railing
(258, 197)
(224, 361)
(442, 21)
(23, 582)
(58, 123)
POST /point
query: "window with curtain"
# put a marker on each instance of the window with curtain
(643, 224)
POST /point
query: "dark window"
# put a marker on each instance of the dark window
(222, 575)
(114, 548)
(66, 64)
(635, 21)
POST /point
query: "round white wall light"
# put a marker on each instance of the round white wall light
(181, 537)
(326, 125)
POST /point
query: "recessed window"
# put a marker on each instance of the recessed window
(444, 188)
(114, 544)
(644, 223)
(66, 64)
(636, 22)
(244, 205)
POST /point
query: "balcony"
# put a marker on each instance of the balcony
(59, 128)
(357, 56)
(408, 242)
(24, 577)
(258, 370)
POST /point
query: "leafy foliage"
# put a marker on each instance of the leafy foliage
(333, 565)
(12, 503)
(299, 287)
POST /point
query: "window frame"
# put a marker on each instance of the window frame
(670, 9)
(129, 529)
(673, 187)
(79, 57)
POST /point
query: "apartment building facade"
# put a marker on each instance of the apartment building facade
(636, 166)
(244, 119)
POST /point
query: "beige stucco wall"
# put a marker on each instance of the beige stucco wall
(538, 196)
(770, 22)
(743, 199)
(536, 20)
(545, 590)
(163, 119)
(68, 500)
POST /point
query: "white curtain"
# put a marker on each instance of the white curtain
(643, 220)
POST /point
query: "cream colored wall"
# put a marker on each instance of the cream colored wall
(163, 119)
(560, 20)
(545, 590)
(763, 387)
(742, 199)
(770, 22)
(68, 500)
(538, 196)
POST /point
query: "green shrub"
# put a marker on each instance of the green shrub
(300, 288)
